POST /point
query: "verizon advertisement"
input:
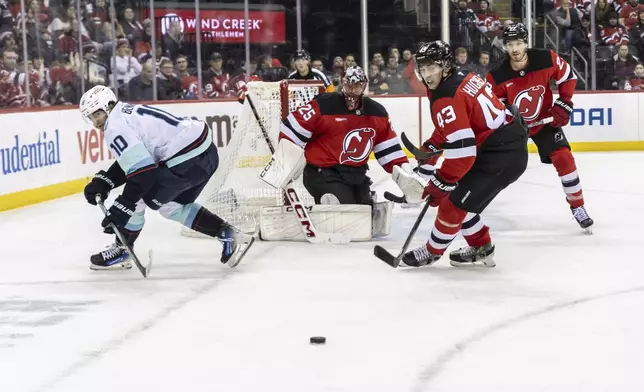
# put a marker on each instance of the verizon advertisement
(227, 26)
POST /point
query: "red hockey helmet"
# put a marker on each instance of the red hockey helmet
(354, 82)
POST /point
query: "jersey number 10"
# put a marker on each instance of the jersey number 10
(118, 145)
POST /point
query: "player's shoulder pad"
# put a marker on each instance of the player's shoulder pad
(539, 59)
(372, 108)
(449, 86)
(501, 71)
(293, 74)
(125, 107)
(116, 121)
(331, 103)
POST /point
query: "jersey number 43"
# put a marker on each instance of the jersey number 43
(494, 116)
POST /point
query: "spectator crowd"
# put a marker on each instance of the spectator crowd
(104, 45)
(620, 38)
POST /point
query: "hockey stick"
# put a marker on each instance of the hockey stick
(144, 270)
(416, 152)
(395, 198)
(387, 257)
(544, 121)
(423, 155)
(302, 214)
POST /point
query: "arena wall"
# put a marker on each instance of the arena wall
(50, 153)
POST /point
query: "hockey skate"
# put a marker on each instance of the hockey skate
(114, 256)
(234, 246)
(585, 221)
(420, 257)
(472, 255)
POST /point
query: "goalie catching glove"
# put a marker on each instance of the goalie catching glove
(409, 182)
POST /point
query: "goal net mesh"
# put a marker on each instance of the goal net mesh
(235, 193)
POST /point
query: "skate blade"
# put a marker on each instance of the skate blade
(233, 262)
(487, 262)
(116, 267)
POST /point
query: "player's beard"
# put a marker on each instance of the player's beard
(518, 57)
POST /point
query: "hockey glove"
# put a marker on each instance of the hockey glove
(560, 112)
(119, 213)
(437, 190)
(101, 184)
(426, 168)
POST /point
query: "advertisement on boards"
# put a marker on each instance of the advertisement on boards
(605, 117)
(48, 148)
(228, 26)
(30, 153)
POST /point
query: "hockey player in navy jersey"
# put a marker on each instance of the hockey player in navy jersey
(164, 162)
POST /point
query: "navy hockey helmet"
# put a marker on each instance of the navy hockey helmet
(515, 32)
(302, 54)
(436, 52)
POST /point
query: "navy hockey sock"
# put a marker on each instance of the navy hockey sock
(129, 236)
(207, 223)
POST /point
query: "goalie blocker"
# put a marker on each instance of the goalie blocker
(329, 141)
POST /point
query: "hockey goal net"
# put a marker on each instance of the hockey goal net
(235, 192)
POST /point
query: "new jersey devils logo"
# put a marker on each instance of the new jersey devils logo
(530, 101)
(357, 145)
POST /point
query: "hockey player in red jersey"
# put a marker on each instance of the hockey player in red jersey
(524, 80)
(338, 132)
(484, 146)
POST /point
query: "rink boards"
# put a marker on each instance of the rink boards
(50, 153)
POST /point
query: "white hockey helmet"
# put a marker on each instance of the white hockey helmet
(96, 98)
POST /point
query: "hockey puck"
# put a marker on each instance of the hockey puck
(317, 340)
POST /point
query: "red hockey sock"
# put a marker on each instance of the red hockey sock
(564, 162)
(474, 231)
(446, 226)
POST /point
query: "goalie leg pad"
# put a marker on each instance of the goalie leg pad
(286, 165)
(353, 220)
(381, 219)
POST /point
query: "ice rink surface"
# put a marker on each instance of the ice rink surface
(562, 311)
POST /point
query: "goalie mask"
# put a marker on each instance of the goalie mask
(354, 82)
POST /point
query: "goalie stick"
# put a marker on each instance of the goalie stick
(384, 255)
(145, 271)
(306, 224)
(423, 155)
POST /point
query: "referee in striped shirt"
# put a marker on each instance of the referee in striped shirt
(303, 70)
